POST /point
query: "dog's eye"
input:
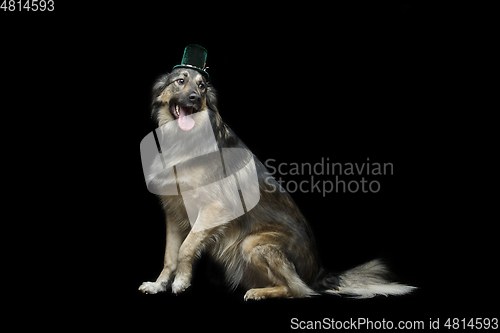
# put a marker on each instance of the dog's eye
(201, 86)
(180, 81)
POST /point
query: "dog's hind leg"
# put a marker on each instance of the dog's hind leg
(269, 292)
(268, 261)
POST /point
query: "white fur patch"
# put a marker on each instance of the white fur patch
(153, 287)
(180, 283)
(366, 281)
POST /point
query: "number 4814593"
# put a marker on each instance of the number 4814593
(28, 5)
(474, 323)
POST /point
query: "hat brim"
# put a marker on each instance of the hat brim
(192, 67)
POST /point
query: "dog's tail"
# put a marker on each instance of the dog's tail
(365, 281)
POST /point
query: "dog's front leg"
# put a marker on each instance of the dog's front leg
(191, 245)
(174, 240)
(206, 224)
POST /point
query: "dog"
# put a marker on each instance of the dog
(270, 249)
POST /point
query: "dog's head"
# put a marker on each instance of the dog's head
(180, 95)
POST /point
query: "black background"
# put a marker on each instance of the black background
(296, 85)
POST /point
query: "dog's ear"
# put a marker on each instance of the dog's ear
(159, 86)
(212, 98)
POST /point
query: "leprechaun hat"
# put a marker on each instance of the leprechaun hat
(195, 57)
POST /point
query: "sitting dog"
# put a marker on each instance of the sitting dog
(268, 247)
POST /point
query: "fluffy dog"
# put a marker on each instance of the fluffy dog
(270, 249)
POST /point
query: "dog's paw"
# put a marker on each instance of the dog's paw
(254, 294)
(152, 287)
(180, 284)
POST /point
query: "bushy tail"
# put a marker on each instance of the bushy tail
(367, 280)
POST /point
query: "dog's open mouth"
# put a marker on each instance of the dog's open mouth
(183, 115)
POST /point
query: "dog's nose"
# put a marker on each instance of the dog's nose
(194, 97)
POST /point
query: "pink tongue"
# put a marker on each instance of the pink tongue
(185, 122)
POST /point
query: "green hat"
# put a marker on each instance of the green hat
(195, 57)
